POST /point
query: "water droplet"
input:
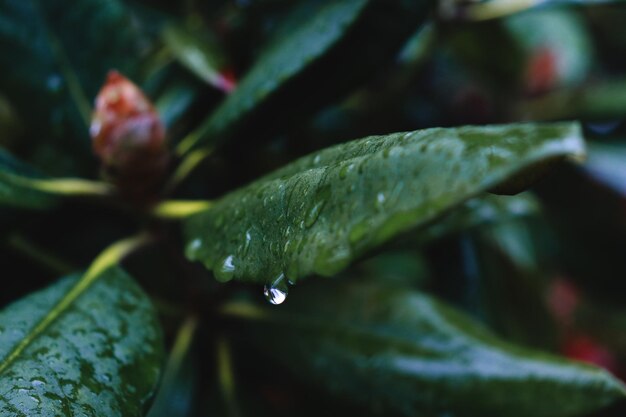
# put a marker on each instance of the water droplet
(380, 200)
(316, 207)
(226, 269)
(317, 159)
(191, 251)
(35, 398)
(248, 240)
(287, 246)
(276, 291)
(38, 382)
(343, 172)
(314, 213)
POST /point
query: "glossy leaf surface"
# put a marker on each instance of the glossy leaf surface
(359, 339)
(318, 214)
(98, 355)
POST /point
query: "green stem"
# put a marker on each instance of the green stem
(186, 167)
(226, 377)
(179, 209)
(182, 344)
(496, 8)
(108, 258)
(63, 186)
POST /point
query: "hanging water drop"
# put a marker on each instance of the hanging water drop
(276, 291)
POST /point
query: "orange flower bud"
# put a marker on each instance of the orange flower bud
(128, 136)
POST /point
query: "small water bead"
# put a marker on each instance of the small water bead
(226, 269)
(345, 170)
(248, 240)
(276, 291)
(380, 200)
(37, 382)
(318, 203)
(192, 248)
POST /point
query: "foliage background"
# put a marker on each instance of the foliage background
(543, 270)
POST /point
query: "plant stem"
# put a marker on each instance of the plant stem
(497, 8)
(179, 209)
(186, 167)
(108, 258)
(226, 376)
(63, 186)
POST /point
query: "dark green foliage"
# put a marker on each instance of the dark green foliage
(326, 209)
(476, 258)
(359, 339)
(101, 356)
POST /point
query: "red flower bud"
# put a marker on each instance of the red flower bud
(128, 136)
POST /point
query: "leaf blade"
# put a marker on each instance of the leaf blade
(321, 212)
(319, 43)
(400, 351)
(99, 355)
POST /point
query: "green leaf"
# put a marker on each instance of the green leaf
(400, 351)
(320, 42)
(494, 9)
(479, 211)
(14, 188)
(199, 54)
(321, 212)
(55, 57)
(83, 346)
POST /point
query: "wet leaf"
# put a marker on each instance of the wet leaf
(399, 351)
(318, 214)
(80, 347)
